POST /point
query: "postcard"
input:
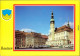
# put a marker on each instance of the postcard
(29, 28)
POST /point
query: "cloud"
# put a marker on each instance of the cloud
(71, 24)
(44, 34)
(27, 30)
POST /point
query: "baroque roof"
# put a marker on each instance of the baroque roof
(31, 34)
(63, 28)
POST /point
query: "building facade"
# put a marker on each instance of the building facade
(29, 40)
(61, 36)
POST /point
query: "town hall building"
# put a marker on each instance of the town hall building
(61, 36)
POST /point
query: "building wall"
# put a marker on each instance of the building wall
(30, 40)
(71, 37)
(60, 38)
(23, 42)
(51, 35)
(61, 35)
(18, 40)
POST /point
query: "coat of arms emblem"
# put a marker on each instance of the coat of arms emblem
(6, 14)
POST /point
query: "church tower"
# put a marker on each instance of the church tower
(68, 23)
(52, 28)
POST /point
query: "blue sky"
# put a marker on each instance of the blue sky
(37, 18)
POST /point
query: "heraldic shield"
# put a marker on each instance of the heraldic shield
(6, 14)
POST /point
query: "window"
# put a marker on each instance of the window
(64, 37)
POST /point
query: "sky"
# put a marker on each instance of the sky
(37, 18)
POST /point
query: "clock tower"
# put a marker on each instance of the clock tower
(52, 28)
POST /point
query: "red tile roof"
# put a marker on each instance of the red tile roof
(44, 36)
(63, 28)
(33, 34)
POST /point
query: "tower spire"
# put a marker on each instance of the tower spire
(52, 17)
(68, 22)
